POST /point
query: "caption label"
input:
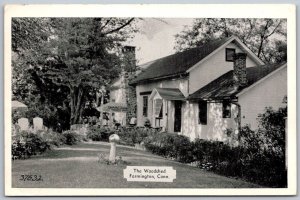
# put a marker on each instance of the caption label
(149, 174)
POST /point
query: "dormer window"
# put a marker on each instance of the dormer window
(229, 54)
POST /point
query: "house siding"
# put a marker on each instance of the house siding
(180, 83)
(212, 68)
(118, 91)
(256, 99)
(250, 103)
(118, 95)
(216, 124)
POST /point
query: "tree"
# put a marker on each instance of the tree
(77, 56)
(262, 36)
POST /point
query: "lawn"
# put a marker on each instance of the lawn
(77, 167)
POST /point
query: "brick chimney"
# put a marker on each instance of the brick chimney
(239, 70)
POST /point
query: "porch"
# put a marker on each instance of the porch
(165, 109)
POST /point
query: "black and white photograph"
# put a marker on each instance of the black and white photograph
(139, 102)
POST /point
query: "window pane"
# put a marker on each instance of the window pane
(229, 54)
(158, 107)
(145, 106)
(226, 109)
(202, 112)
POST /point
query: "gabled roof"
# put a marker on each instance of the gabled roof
(168, 93)
(178, 63)
(182, 62)
(223, 87)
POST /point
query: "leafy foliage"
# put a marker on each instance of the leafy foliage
(63, 61)
(265, 37)
(71, 137)
(134, 135)
(259, 158)
(27, 144)
(96, 133)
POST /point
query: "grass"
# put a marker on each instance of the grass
(77, 167)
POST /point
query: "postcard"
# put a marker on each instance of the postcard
(150, 100)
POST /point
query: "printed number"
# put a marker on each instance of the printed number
(31, 178)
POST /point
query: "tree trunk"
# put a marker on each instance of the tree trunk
(77, 95)
(101, 95)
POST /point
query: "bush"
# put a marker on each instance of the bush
(147, 123)
(71, 137)
(52, 137)
(134, 135)
(169, 145)
(264, 157)
(127, 135)
(259, 158)
(27, 144)
(99, 134)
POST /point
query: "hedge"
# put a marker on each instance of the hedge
(259, 158)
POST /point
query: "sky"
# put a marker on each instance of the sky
(156, 37)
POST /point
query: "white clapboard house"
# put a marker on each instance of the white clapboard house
(204, 91)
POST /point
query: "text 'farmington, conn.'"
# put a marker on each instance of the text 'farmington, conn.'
(149, 174)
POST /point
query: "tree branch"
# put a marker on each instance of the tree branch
(274, 30)
(119, 28)
(106, 23)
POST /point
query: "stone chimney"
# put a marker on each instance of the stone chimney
(129, 58)
(239, 70)
(129, 72)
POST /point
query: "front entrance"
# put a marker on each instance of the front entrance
(177, 116)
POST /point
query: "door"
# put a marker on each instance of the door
(177, 117)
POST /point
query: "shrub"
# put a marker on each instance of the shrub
(99, 134)
(27, 144)
(170, 145)
(260, 156)
(264, 157)
(134, 135)
(52, 137)
(147, 123)
(127, 135)
(72, 137)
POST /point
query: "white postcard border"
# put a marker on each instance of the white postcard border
(165, 11)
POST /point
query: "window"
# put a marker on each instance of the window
(202, 105)
(158, 108)
(229, 54)
(226, 109)
(161, 112)
(145, 106)
(158, 112)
